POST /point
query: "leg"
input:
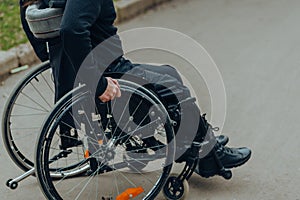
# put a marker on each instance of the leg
(64, 76)
(214, 157)
(167, 84)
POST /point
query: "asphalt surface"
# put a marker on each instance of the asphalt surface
(256, 46)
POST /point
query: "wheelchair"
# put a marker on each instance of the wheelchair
(123, 149)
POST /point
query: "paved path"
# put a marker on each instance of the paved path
(256, 45)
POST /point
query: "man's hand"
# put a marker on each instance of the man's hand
(112, 90)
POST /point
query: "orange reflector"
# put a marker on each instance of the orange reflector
(86, 154)
(130, 193)
(100, 142)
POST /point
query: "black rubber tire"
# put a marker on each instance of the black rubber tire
(182, 188)
(15, 152)
(14, 185)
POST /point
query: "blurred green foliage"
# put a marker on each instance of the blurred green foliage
(11, 33)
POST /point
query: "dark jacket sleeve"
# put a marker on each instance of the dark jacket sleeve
(38, 45)
(79, 16)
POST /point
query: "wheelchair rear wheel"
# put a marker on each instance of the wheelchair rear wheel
(23, 114)
(127, 146)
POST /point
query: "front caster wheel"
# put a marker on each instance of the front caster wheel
(175, 189)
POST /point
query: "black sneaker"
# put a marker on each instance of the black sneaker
(228, 157)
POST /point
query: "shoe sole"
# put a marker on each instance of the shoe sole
(240, 163)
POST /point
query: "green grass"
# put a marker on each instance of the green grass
(11, 33)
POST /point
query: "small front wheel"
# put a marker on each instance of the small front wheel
(176, 189)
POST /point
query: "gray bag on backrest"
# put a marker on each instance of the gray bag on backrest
(44, 23)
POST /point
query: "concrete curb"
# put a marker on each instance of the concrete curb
(16, 57)
(24, 53)
(127, 9)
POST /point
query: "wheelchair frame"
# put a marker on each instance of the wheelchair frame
(174, 186)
